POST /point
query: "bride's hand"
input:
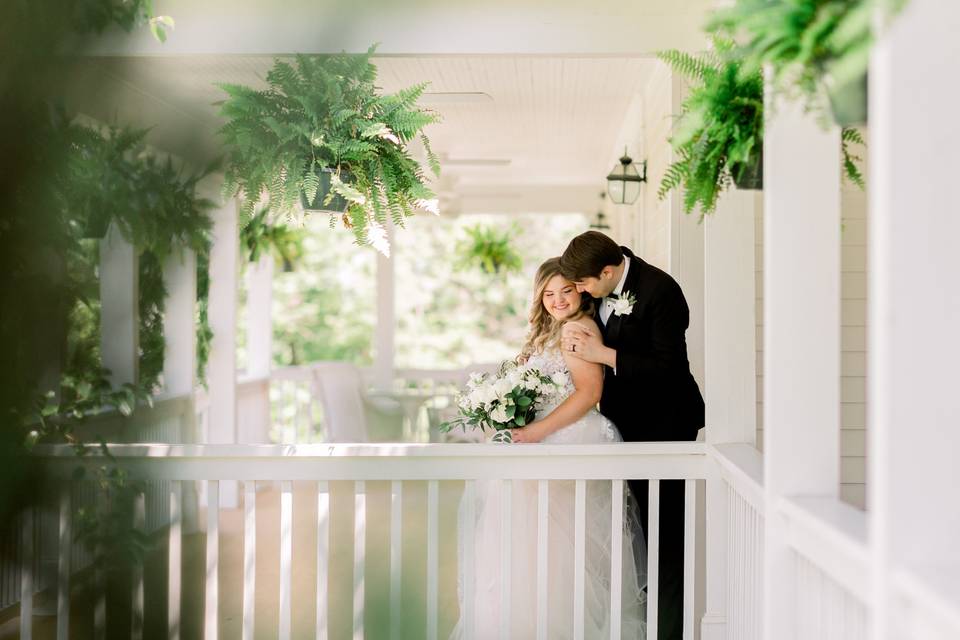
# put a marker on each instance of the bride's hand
(533, 432)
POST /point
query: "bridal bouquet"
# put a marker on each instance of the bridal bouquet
(508, 399)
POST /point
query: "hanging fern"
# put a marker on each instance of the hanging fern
(489, 249)
(718, 138)
(324, 113)
(720, 130)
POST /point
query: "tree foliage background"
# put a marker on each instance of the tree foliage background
(447, 315)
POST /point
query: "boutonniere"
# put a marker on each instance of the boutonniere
(623, 303)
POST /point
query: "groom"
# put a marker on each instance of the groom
(648, 390)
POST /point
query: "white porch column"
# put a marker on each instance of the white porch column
(180, 355)
(386, 319)
(730, 370)
(179, 323)
(802, 340)
(119, 310)
(222, 365)
(729, 273)
(687, 266)
(259, 281)
(914, 315)
(254, 422)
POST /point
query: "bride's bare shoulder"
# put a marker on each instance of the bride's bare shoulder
(585, 322)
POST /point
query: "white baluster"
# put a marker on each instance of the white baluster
(579, 557)
(433, 543)
(99, 579)
(653, 558)
(63, 563)
(286, 556)
(212, 596)
(616, 559)
(249, 556)
(689, 556)
(506, 575)
(469, 561)
(174, 563)
(359, 557)
(543, 511)
(396, 557)
(136, 604)
(26, 576)
(323, 555)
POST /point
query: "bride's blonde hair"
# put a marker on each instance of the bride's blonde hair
(544, 328)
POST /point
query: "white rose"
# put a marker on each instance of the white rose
(488, 394)
(503, 386)
(499, 414)
(473, 399)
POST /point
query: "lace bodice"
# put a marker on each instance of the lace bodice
(592, 427)
(549, 362)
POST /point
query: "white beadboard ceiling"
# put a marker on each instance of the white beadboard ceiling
(551, 123)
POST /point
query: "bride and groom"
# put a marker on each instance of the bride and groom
(617, 326)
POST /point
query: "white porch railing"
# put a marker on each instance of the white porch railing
(181, 465)
(740, 471)
(832, 586)
(32, 543)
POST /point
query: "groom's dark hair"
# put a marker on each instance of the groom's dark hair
(588, 254)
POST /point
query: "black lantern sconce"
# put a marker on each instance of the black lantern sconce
(623, 183)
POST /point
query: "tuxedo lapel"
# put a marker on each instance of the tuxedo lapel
(612, 329)
(614, 322)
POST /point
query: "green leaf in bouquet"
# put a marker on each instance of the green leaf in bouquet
(520, 420)
(524, 401)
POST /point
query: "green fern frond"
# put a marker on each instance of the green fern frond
(851, 162)
(324, 111)
(694, 67)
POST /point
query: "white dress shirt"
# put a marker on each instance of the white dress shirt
(606, 305)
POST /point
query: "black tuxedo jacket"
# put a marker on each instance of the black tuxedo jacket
(652, 396)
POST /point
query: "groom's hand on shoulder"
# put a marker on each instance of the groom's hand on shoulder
(584, 341)
(571, 339)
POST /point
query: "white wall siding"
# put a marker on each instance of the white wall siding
(658, 120)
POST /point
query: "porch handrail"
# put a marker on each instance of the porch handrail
(833, 536)
(741, 466)
(224, 469)
(396, 461)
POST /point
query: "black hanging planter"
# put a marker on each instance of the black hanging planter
(749, 175)
(337, 205)
(848, 102)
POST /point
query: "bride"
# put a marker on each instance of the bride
(573, 420)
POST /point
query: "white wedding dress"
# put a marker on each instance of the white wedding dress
(487, 590)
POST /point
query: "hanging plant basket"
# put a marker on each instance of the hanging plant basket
(750, 175)
(337, 203)
(848, 102)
